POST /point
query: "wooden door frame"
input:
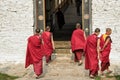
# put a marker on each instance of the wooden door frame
(86, 15)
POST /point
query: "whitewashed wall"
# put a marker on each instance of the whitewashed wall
(106, 13)
(16, 21)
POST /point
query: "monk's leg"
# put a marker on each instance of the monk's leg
(105, 66)
(93, 73)
(79, 56)
(38, 68)
(76, 59)
(48, 57)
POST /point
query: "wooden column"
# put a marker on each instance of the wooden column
(39, 14)
(87, 16)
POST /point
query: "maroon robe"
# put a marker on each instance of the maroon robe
(78, 43)
(105, 62)
(91, 55)
(34, 53)
(48, 46)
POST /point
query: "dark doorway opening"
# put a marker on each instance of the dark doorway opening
(71, 17)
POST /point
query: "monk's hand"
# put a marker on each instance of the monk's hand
(98, 56)
(101, 49)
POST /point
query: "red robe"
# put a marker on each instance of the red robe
(106, 52)
(91, 55)
(48, 47)
(77, 40)
(34, 50)
(78, 43)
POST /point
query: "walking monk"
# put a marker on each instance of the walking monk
(78, 43)
(48, 43)
(92, 53)
(34, 53)
(105, 44)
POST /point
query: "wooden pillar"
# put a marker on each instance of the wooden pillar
(87, 16)
(39, 14)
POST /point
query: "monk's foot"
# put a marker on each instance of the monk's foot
(108, 72)
(102, 75)
(80, 63)
(92, 76)
(40, 76)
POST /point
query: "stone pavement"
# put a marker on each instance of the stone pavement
(62, 68)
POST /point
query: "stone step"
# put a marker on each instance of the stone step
(62, 51)
(62, 44)
(62, 47)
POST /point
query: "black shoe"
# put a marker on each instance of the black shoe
(80, 63)
(40, 76)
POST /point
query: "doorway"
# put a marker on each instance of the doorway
(71, 17)
(45, 15)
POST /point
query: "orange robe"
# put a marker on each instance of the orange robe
(105, 63)
(48, 46)
(78, 43)
(34, 54)
(91, 55)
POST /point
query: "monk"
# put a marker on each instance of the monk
(92, 52)
(34, 53)
(48, 43)
(78, 43)
(105, 44)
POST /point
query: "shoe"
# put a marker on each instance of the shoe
(80, 63)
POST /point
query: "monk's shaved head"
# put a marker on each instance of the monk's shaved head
(108, 29)
(47, 28)
(78, 26)
(37, 30)
(97, 30)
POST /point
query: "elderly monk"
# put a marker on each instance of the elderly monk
(48, 43)
(105, 44)
(78, 43)
(34, 53)
(92, 52)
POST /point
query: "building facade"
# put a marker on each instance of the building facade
(18, 19)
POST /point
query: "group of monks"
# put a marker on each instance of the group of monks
(94, 49)
(39, 45)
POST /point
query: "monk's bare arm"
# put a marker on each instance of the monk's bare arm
(84, 35)
(106, 43)
(52, 42)
(98, 47)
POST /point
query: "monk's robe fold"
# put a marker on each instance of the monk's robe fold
(106, 52)
(91, 55)
(47, 43)
(77, 40)
(34, 51)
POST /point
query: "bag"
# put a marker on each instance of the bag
(72, 55)
(53, 56)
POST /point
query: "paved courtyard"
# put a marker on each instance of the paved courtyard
(62, 68)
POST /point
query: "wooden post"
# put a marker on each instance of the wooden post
(86, 17)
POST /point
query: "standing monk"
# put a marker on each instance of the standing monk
(34, 53)
(105, 44)
(78, 43)
(48, 43)
(92, 53)
(60, 18)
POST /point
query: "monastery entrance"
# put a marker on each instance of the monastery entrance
(45, 15)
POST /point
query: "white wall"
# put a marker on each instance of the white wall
(106, 13)
(16, 21)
